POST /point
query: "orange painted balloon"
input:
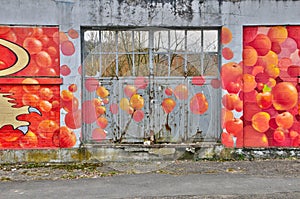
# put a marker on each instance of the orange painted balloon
(227, 53)
(226, 35)
(285, 120)
(136, 101)
(198, 104)
(102, 122)
(278, 34)
(285, 96)
(260, 121)
(67, 48)
(262, 44)
(168, 105)
(249, 56)
(64, 137)
(138, 115)
(181, 92)
(102, 92)
(43, 59)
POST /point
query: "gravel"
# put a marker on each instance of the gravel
(50, 171)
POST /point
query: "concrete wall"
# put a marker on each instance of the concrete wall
(74, 14)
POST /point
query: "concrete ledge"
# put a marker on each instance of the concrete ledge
(259, 153)
(119, 153)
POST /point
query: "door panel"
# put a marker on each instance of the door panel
(155, 120)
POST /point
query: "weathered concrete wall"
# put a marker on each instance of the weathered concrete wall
(74, 14)
(145, 13)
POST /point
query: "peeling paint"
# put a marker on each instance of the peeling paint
(179, 8)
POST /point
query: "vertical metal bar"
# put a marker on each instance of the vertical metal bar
(151, 34)
(219, 50)
(186, 80)
(185, 53)
(169, 53)
(117, 54)
(133, 59)
(151, 83)
(119, 83)
(100, 49)
(202, 53)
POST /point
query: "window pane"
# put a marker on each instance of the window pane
(91, 65)
(210, 65)
(108, 65)
(210, 43)
(141, 41)
(161, 40)
(125, 43)
(161, 64)
(141, 64)
(91, 39)
(194, 65)
(108, 41)
(177, 40)
(177, 65)
(194, 41)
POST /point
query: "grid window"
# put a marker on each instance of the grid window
(158, 52)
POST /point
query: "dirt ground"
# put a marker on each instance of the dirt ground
(47, 171)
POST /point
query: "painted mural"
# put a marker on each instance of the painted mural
(261, 93)
(260, 101)
(105, 108)
(30, 98)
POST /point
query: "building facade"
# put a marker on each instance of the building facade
(102, 73)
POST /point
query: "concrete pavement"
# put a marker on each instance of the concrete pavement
(152, 185)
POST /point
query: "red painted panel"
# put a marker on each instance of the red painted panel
(41, 47)
(30, 88)
(268, 77)
(29, 115)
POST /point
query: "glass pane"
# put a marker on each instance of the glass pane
(210, 65)
(194, 41)
(91, 39)
(210, 41)
(141, 41)
(91, 35)
(194, 65)
(125, 65)
(161, 64)
(108, 41)
(161, 40)
(108, 65)
(177, 40)
(177, 65)
(91, 65)
(141, 64)
(125, 41)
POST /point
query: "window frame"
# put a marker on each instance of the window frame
(151, 53)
